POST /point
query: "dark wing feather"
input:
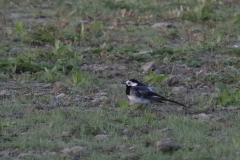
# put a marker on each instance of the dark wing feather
(145, 92)
(135, 91)
(145, 85)
(148, 93)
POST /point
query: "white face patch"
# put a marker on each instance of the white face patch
(130, 83)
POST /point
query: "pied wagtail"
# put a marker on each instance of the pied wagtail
(140, 93)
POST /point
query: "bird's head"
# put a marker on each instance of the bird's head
(131, 82)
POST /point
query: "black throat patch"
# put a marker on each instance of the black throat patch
(128, 90)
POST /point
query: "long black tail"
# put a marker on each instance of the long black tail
(173, 102)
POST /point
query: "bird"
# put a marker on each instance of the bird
(135, 82)
(143, 94)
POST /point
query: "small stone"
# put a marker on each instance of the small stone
(22, 155)
(235, 45)
(24, 133)
(205, 109)
(127, 132)
(180, 108)
(143, 52)
(204, 116)
(104, 98)
(48, 85)
(5, 93)
(101, 137)
(65, 134)
(84, 22)
(197, 146)
(130, 157)
(62, 95)
(96, 100)
(167, 145)
(163, 25)
(232, 108)
(14, 152)
(204, 94)
(205, 87)
(76, 150)
(66, 103)
(99, 99)
(146, 67)
(121, 147)
(51, 124)
(51, 153)
(38, 94)
(54, 102)
(217, 89)
(68, 4)
(104, 68)
(101, 94)
(144, 130)
(132, 147)
(180, 89)
(168, 131)
(60, 87)
(131, 23)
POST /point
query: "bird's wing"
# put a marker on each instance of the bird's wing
(150, 88)
(145, 85)
(146, 92)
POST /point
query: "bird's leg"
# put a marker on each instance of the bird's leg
(144, 106)
(140, 107)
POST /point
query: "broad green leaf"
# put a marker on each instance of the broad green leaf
(46, 70)
(82, 29)
(222, 87)
(74, 77)
(68, 81)
(123, 104)
(9, 31)
(62, 49)
(80, 57)
(57, 44)
(226, 98)
(159, 79)
(238, 94)
(219, 37)
(151, 77)
(19, 28)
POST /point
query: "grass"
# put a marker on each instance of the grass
(93, 45)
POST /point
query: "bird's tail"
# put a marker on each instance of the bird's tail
(173, 102)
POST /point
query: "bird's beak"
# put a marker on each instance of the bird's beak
(123, 82)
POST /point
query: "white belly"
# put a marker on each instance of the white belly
(137, 100)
